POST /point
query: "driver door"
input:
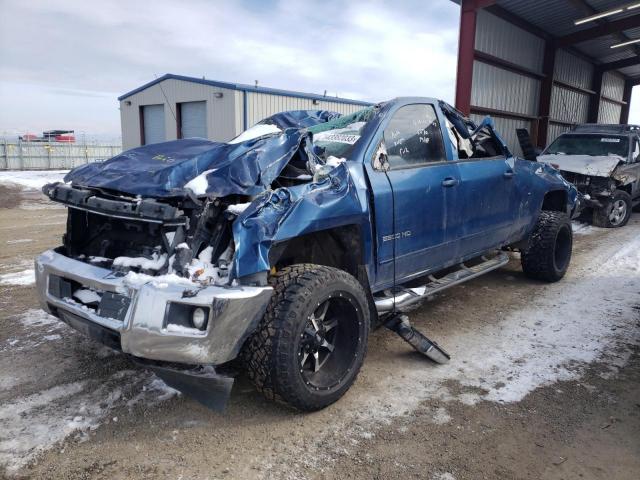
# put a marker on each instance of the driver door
(415, 195)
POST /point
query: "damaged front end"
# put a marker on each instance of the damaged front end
(594, 191)
(152, 279)
(165, 256)
(594, 161)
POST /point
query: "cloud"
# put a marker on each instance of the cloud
(366, 50)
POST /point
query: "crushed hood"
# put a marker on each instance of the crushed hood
(168, 169)
(593, 166)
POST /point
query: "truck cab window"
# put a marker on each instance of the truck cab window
(413, 137)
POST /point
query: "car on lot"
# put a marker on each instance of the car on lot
(603, 162)
(282, 248)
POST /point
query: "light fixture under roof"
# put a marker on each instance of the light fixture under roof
(607, 13)
(624, 44)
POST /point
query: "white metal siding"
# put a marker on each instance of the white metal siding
(154, 131)
(569, 105)
(193, 116)
(613, 86)
(239, 113)
(225, 116)
(506, 128)
(221, 111)
(573, 70)
(609, 112)
(263, 105)
(502, 39)
(501, 89)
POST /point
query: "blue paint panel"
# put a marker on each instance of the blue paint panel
(488, 203)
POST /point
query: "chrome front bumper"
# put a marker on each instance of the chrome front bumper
(235, 312)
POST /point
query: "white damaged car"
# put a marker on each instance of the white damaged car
(603, 162)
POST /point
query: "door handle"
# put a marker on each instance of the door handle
(508, 174)
(450, 182)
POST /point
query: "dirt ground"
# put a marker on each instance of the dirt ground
(544, 382)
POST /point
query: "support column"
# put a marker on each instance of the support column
(546, 87)
(626, 97)
(594, 104)
(466, 47)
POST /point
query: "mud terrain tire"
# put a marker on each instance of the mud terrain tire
(279, 357)
(548, 254)
(605, 217)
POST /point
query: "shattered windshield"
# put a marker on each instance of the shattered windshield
(337, 137)
(589, 144)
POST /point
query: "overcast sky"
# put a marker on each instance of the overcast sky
(63, 63)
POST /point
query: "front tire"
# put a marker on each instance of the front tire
(615, 213)
(548, 254)
(311, 343)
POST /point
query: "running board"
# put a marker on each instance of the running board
(400, 324)
(409, 296)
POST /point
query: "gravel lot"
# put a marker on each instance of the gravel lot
(544, 382)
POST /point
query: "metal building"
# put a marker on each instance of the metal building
(547, 65)
(175, 106)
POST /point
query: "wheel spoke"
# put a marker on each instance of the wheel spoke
(327, 345)
(314, 322)
(316, 358)
(330, 324)
(321, 311)
(304, 358)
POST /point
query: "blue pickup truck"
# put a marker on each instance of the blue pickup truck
(279, 250)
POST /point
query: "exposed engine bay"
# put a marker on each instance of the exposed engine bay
(191, 238)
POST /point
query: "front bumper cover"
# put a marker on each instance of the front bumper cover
(141, 332)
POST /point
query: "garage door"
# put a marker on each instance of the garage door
(153, 122)
(193, 116)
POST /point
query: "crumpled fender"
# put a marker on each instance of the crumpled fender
(550, 180)
(290, 212)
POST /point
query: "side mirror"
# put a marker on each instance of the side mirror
(381, 159)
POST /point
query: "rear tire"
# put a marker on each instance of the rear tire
(616, 211)
(548, 254)
(311, 343)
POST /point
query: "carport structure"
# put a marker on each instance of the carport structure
(547, 65)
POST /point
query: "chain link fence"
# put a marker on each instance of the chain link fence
(52, 156)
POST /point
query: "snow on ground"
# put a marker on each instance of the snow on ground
(31, 179)
(24, 277)
(589, 316)
(33, 424)
(582, 228)
(39, 327)
(70, 409)
(19, 240)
